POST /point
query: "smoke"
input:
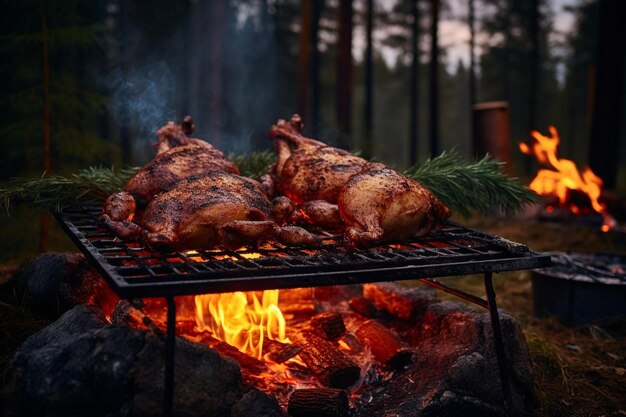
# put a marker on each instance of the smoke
(142, 101)
(223, 72)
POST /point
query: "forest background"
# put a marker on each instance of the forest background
(88, 82)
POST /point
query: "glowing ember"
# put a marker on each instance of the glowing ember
(563, 176)
(241, 320)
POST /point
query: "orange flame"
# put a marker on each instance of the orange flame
(563, 175)
(241, 320)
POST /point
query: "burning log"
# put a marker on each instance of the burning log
(328, 325)
(318, 402)
(330, 365)
(280, 352)
(307, 307)
(402, 302)
(386, 346)
(363, 306)
(245, 361)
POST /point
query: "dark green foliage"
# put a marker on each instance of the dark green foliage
(472, 186)
(255, 164)
(74, 38)
(55, 191)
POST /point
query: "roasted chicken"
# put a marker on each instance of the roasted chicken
(333, 188)
(218, 208)
(382, 205)
(307, 169)
(178, 157)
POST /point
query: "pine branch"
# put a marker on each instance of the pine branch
(56, 191)
(255, 164)
(463, 186)
(472, 186)
(96, 184)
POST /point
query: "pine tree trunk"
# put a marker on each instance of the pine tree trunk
(472, 72)
(369, 81)
(605, 129)
(43, 231)
(304, 58)
(218, 16)
(533, 86)
(315, 67)
(414, 88)
(344, 73)
(434, 78)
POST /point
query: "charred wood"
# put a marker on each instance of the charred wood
(330, 365)
(318, 402)
(329, 325)
(385, 345)
(279, 352)
(402, 302)
(363, 306)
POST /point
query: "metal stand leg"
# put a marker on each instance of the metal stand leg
(170, 346)
(497, 339)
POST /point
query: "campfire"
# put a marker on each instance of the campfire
(361, 349)
(562, 178)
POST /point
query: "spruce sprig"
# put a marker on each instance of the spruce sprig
(56, 191)
(462, 185)
(466, 186)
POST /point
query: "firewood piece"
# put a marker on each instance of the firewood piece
(318, 402)
(402, 302)
(352, 342)
(306, 307)
(330, 365)
(363, 306)
(279, 352)
(328, 325)
(245, 361)
(386, 346)
(295, 295)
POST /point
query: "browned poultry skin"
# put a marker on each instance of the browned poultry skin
(308, 169)
(216, 209)
(382, 205)
(192, 212)
(175, 164)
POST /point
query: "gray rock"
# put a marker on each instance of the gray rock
(115, 371)
(256, 403)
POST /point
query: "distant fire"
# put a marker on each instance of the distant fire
(241, 319)
(563, 176)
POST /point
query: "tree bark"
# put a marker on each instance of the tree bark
(472, 73)
(605, 128)
(43, 230)
(315, 67)
(414, 88)
(304, 58)
(218, 17)
(369, 81)
(434, 78)
(344, 73)
(533, 85)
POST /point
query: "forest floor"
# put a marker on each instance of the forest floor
(580, 370)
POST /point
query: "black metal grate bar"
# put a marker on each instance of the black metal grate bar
(135, 271)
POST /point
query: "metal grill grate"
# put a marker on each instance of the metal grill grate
(135, 271)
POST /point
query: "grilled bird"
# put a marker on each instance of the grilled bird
(333, 188)
(178, 156)
(218, 208)
(382, 205)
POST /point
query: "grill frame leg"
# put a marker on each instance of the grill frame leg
(497, 340)
(170, 350)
